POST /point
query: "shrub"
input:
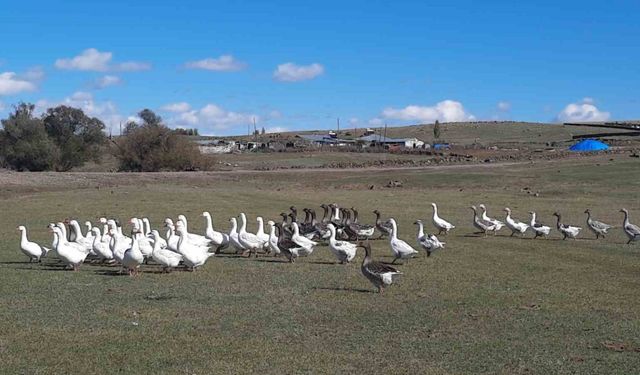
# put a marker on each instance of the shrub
(152, 147)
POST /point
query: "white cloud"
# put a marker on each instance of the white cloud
(224, 63)
(274, 115)
(211, 119)
(11, 83)
(131, 66)
(90, 59)
(106, 81)
(354, 121)
(376, 121)
(93, 60)
(35, 73)
(504, 106)
(2, 106)
(588, 100)
(105, 111)
(445, 111)
(276, 129)
(584, 111)
(176, 107)
(290, 72)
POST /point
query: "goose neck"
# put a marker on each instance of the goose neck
(207, 218)
(394, 230)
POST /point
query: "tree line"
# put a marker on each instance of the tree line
(64, 137)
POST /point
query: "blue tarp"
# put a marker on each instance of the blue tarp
(589, 145)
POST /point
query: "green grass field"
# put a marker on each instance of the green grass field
(482, 306)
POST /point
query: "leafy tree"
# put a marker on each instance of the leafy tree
(24, 144)
(436, 130)
(152, 146)
(79, 137)
(129, 127)
(150, 118)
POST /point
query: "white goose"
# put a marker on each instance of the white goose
(631, 230)
(442, 225)
(514, 225)
(106, 237)
(101, 248)
(167, 258)
(192, 237)
(482, 225)
(144, 244)
(89, 235)
(31, 249)
(71, 255)
(249, 241)
(118, 246)
(63, 234)
(79, 238)
(147, 233)
(399, 248)
(119, 243)
(233, 235)
(568, 231)
(261, 234)
(133, 258)
(498, 224)
(273, 239)
(194, 256)
(219, 239)
(538, 228)
(343, 250)
(429, 242)
(303, 241)
(172, 238)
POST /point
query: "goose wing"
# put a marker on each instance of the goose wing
(632, 228)
(403, 247)
(600, 225)
(380, 268)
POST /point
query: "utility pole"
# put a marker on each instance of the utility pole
(338, 132)
(255, 132)
(120, 128)
(385, 133)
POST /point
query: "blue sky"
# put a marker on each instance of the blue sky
(299, 65)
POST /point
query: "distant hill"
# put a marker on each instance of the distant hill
(486, 133)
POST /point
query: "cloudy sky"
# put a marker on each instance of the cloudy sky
(216, 66)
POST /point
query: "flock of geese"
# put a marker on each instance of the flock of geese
(288, 238)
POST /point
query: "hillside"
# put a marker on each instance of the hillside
(485, 133)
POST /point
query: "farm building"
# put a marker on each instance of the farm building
(374, 139)
(321, 140)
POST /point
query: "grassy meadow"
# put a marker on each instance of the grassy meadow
(495, 305)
